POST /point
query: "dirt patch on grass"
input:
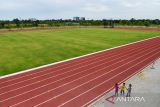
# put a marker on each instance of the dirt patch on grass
(34, 29)
(67, 28)
(139, 28)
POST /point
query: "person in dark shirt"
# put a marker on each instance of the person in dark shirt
(129, 90)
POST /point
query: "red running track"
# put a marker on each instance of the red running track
(77, 82)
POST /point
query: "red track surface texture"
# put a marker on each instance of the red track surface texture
(77, 82)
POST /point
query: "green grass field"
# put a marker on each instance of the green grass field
(24, 50)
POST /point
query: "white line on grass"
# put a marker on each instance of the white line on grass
(20, 72)
(68, 77)
(63, 69)
(48, 69)
(73, 74)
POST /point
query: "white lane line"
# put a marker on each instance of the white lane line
(57, 71)
(78, 72)
(102, 82)
(68, 77)
(90, 57)
(49, 69)
(29, 70)
(101, 95)
(78, 85)
(71, 75)
(64, 69)
(99, 55)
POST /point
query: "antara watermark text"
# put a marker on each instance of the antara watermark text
(130, 99)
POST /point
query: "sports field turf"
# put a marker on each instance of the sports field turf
(24, 50)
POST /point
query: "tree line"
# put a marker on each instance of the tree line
(17, 23)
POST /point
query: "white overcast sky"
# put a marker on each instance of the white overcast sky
(92, 9)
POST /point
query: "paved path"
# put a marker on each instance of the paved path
(146, 84)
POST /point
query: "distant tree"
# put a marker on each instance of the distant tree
(36, 23)
(2, 24)
(146, 23)
(133, 22)
(105, 23)
(17, 22)
(112, 23)
(156, 22)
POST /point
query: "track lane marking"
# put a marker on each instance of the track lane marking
(70, 75)
(98, 84)
(81, 84)
(76, 74)
(29, 70)
(61, 73)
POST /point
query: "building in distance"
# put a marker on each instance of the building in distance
(78, 18)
